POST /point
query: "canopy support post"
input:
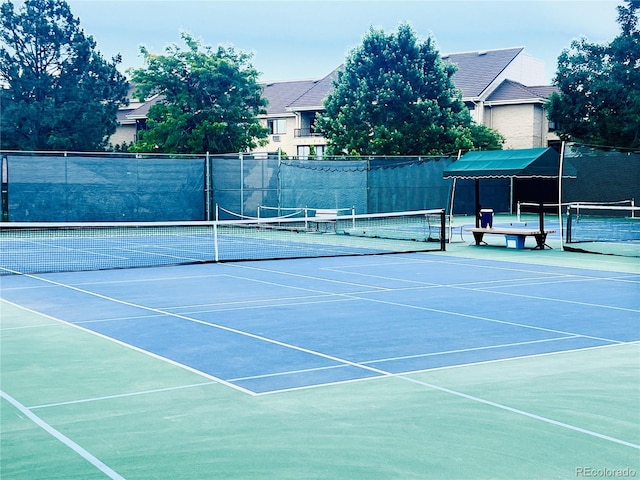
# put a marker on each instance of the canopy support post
(478, 206)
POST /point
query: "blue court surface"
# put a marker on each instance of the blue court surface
(273, 326)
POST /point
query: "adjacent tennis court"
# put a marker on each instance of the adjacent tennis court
(477, 362)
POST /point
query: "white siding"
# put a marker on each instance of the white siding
(526, 70)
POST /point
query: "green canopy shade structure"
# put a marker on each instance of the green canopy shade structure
(525, 163)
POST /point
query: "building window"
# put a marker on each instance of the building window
(277, 127)
(303, 151)
(315, 152)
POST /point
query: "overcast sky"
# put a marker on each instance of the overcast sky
(303, 39)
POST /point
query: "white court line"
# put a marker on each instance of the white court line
(267, 302)
(588, 272)
(488, 284)
(289, 372)
(117, 282)
(284, 285)
(552, 276)
(257, 307)
(25, 327)
(482, 264)
(108, 471)
(120, 395)
(474, 263)
(474, 349)
(153, 279)
(58, 322)
(457, 262)
(524, 413)
(548, 299)
(535, 281)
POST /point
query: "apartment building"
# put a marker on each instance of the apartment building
(503, 89)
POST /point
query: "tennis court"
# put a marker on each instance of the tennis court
(473, 363)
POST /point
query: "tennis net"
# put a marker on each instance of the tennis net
(28, 248)
(265, 211)
(606, 228)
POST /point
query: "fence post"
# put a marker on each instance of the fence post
(207, 187)
(4, 173)
(241, 184)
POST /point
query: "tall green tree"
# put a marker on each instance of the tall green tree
(56, 90)
(598, 101)
(395, 96)
(209, 100)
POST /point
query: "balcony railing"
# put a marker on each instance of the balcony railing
(305, 132)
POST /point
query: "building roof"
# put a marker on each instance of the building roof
(511, 90)
(143, 110)
(282, 94)
(122, 115)
(544, 91)
(477, 70)
(314, 97)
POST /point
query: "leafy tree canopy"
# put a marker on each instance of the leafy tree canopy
(56, 90)
(395, 96)
(208, 100)
(599, 87)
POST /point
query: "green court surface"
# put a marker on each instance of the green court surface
(78, 405)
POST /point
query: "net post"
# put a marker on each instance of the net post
(569, 221)
(443, 226)
(241, 157)
(216, 253)
(478, 206)
(511, 187)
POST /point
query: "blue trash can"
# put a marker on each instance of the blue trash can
(515, 241)
(486, 218)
